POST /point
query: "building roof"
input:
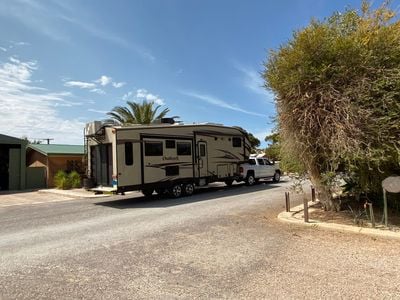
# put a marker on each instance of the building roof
(53, 149)
(6, 139)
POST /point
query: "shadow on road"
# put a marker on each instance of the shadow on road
(202, 194)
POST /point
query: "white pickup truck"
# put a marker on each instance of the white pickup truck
(258, 168)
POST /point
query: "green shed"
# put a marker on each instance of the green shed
(12, 163)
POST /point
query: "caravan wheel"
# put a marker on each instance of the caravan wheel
(188, 189)
(147, 192)
(176, 191)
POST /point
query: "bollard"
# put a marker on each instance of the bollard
(371, 213)
(287, 201)
(305, 201)
(312, 194)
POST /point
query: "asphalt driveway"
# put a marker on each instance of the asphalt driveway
(219, 243)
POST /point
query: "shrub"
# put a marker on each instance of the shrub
(337, 87)
(65, 181)
(75, 179)
(62, 181)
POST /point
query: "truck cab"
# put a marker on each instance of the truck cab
(259, 167)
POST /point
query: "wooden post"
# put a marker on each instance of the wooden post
(287, 201)
(305, 201)
(312, 193)
(385, 208)
(371, 213)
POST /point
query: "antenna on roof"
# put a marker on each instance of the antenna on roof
(35, 140)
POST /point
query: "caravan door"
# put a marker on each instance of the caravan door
(202, 159)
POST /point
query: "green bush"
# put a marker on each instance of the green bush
(62, 181)
(75, 179)
(65, 181)
(337, 89)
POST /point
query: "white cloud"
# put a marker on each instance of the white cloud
(80, 84)
(218, 102)
(142, 94)
(28, 110)
(3, 49)
(104, 80)
(128, 96)
(98, 91)
(94, 85)
(117, 85)
(98, 111)
(20, 43)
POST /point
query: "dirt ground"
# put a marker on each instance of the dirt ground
(356, 217)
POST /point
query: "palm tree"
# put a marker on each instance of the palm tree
(136, 113)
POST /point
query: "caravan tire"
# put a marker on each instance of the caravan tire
(161, 191)
(229, 182)
(188, 189)
(176, 191)
(147, 192)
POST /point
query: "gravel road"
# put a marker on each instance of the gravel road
(219, 243)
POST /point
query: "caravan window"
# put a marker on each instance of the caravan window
(184, 148)
(202, 150)
(170, 144)
(128, 153)
(153, 148)
(237, 142)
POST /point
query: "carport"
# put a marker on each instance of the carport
(12, 163)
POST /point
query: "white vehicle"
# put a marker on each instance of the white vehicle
(164, 157)
(258, 168)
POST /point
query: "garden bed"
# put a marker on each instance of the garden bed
(355, 215)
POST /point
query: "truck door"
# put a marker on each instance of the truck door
(202, 159)
(261, 170)
(270, 168)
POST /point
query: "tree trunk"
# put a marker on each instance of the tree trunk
(324, 194)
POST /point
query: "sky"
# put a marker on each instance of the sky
(67, 63)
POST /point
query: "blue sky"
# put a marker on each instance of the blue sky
(66, 63)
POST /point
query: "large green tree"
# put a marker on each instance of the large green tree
(337, 85)
(137, 113)
(254, 142)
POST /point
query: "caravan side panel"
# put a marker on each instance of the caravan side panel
(166, 159)
(128, 158)
(224, 153)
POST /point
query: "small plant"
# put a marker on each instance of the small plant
(75, 179)
(65, 181)
(359, 215)
(61, 180)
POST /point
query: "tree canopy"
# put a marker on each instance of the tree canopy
(337, 87)
(254, 142)
(137, 113)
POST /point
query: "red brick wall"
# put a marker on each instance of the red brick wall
(54, 163)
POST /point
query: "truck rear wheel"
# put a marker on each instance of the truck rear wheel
(277, 177)
(176, 191)
(250, 180)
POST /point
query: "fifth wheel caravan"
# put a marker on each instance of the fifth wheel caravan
(164, 157)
